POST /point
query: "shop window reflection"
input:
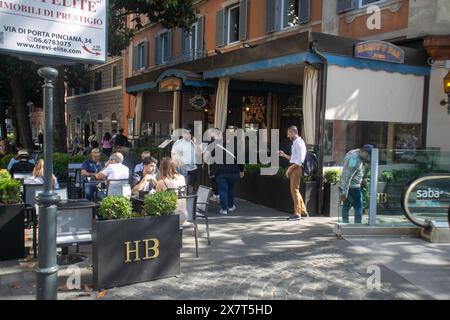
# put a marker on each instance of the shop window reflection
(342, 136)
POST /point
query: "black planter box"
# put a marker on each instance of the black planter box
(245, 188)
(283, 194)
(274, 192)
(330, 200)
(116, 262)
(12, 233)
(285, 203)
(309, 194)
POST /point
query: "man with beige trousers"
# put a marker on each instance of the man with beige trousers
(294, 172)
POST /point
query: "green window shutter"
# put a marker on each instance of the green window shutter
(135, 57)
(220, 28)
(169, 46)
(278, 12)
(200, 37)
(346, 5)
(243, 19)
(145, 54)
(182, 41)
(304, 8)
(158, 50)
(270, 16)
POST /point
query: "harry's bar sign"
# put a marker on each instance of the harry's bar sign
(170, 84)
(379, 50)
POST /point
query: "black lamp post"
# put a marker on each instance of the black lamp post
(447, 91)
(47, 269)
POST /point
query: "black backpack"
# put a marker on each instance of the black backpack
(310, 164)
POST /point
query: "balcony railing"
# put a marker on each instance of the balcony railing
(189, 55)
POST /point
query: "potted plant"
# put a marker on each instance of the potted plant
(12, 235)
(133, 247)
(331, 192)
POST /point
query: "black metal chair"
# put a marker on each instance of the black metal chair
(120, 187)
(75, 179)
(203, 195)
(33, 205)
(191, 204)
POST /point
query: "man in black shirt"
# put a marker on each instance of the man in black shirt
(23, 165)
(120, 140)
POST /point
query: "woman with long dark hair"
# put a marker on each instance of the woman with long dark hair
(107, 144)
(171, 180)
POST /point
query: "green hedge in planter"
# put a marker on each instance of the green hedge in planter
(115, 208)
(332, 176)
(160, 204)
(9, 189)
(4, 161)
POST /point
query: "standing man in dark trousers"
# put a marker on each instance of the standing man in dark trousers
(352, 179)
(294, 172)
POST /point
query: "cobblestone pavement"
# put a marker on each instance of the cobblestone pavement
(255, 254)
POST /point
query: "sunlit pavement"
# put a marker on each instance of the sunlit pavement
(257, 254)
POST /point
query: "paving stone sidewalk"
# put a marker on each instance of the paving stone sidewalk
(255, 254)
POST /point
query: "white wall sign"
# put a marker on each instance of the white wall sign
(65, 29)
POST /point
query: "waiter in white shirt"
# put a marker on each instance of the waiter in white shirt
(294, 172)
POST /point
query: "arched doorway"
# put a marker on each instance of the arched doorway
(113, 122)
(87, 129)
(99, 127)
(78, 127)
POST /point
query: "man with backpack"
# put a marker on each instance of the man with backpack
(294, 172)
(352, 179)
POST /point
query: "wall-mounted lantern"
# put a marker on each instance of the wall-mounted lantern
(447, 91)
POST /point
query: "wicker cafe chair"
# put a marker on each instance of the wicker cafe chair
(191, 204)
(203, 195)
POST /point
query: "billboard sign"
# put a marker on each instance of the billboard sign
(62, 29)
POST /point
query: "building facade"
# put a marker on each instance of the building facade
(246, 64)
(97, 106)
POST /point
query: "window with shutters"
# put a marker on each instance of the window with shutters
(349, 5)
(98, 81)
(163, 48)
(365, 3)
(289, 13)
(141, 54)
(114, 76)
(232, 24)
(190, 42)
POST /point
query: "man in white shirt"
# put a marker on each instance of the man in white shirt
(183, 155)
(114, 170)
(294, 172)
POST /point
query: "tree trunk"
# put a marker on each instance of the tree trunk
(15, 126)
(22, 112)
(59, 112)
(3, 130)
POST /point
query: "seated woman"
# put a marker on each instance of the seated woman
(170, 179)
(37, 176)
(147, 177)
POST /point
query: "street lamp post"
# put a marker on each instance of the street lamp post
(47, 270)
